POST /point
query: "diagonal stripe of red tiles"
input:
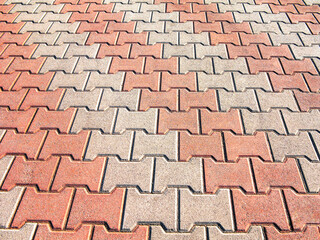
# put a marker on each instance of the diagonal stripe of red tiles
(159, 119)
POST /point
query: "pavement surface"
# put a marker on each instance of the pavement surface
(159, 119)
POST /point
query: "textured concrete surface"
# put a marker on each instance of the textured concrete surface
(159, 119)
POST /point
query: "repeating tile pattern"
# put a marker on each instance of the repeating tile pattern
(160, 119)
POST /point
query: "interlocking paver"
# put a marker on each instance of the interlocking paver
(159, 119)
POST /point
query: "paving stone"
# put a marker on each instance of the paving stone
(87, 64)
(198, 233)
(49, 8)
(268, 100)
(52, 51)
(309, 233)
(86, 51)
(66, 37)
(26, 172)
(178, 51)
(86, 207)
(195, 65)
(119, 99)
(5, 164)
(272, 27)
(200, 146)
(254, 233)
(243, 82)
(238, 146)
(246, 207)
(304, 52)
(44, 231)
(44, 119)
(228, 100)
(150, 99)
(128, 174)
(62, 80)
(279, 39)
(33, 206)
(67, 144)
(87, 99)
(26, 232)
(131, 16)
(56, 17)
(219, 204)
(171, 81)
(303, 208)
(299, 121)
(174, 174)
(206, 81)
(150, 27)
(155, 37)
(310, 40)
(213, 121)
(19, 120)
(13, 143)
(104, 144)
(155, 145)
(291, 146)
(211, 51)
(187, 38)
(65, 65)
(288, 28)
(307, 101)
(267, 121)
(29, 8)
(220, 175)
(85, 119)
(80, 173)
(36, 37)
(64, 27)
(228, 7)
(178, 27)
(286, 174)
(271, 17)
(206, 99)
(29, 17)
(150, 208)
(173, 17)
(9, 203)
(97, 80)
(136, 120)
(310, 172)
(247, 17)
(146, 7)
(230, 65)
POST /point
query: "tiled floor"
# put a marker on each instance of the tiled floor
(159, 119)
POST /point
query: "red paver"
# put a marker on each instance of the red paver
(200, 146)
(30, 172)
(16, 143)
(45, 232)
(178, 121)
(99, 208)
(270, 175)
(36, 206)
(260, 209)
(80, 173)
(303, 208)
(35, 98)
(60, 120)
(247, 146)
(66, 144)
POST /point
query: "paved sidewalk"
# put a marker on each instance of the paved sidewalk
(159, 119)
